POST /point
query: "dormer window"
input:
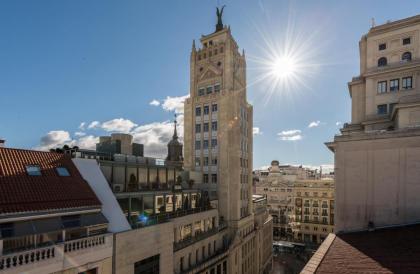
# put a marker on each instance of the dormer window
(406, 56)
(406, 41)
(62, 172)
(33, 170)
(382, 62)
(382, 46)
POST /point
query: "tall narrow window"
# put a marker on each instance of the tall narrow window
(206, 127)
(214, 178)
(209, 89)
(407, 82)
(205, 180)
(200, 91)
(214, 160)
(217, 87)
(213, 143)
(206, 110)
(382, 109)
(382, 87)
(394, 85)
(214, 107)
(198, 111)
(406, 56)
(205, 144)
(382, 62)
(206, 161)
(197, 145)
(214, 126)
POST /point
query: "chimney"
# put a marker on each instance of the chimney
(2, 142)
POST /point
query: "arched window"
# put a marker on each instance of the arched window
(382, 62)
(406, 56)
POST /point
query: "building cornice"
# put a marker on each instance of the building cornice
(399, 24)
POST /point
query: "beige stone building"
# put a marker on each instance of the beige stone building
(377, 154)
(313, 217)
(301, 204)
(218, 141)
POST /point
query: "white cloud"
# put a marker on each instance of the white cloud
(79, 133)
(94, 124)
(174, 103)
(82, 125)
(290, 135)
(338, 123)
(154, 102)
(53, 139)
(59, 138)
(120, 125)
(314, 124)
(256, 131)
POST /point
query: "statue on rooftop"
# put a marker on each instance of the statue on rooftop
(219, 14)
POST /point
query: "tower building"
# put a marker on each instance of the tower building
(218, 124)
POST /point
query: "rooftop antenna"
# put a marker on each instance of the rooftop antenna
(372, 21)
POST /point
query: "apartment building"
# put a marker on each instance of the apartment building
(300, 203)
(377, 156)
(50, 219)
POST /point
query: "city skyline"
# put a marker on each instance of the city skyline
(57, 89)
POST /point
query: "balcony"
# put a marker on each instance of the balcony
(60, 256)
(196, 238)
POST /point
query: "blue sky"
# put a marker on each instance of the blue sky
(63, 63)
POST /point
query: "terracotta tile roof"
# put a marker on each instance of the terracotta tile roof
(389, 250)
(20, 192)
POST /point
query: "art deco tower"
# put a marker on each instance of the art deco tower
(218, 124)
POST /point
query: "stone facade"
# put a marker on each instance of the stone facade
(377, 155)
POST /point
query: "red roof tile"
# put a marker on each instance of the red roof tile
(389, 250)
(20, 192)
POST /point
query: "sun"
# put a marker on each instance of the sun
(284, 67)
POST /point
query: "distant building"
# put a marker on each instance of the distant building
(300, 203)
(377, 159)
(119, 143)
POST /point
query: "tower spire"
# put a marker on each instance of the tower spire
(175, 136)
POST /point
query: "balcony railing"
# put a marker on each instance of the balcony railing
(84, 243)
(198, 237)
(26, 257)
(57, 251)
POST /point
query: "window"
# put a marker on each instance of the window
(197, 161)
(394, 85)
(148, 265)
(209, 89)
(206, 127)
(198, 111)
(391, 107)
(382, 109)
(205, 180)
(197, 145)
(33, 170)
(214, 107)
(63, 172)
(406, 41)
(214, 160)
(213, 143)
(382, 87)
(214, 178)
(406, 56)
(200, 91)
(197, 128)
(181, 263)
(206, 110)
(382, 62)
(382, 46)
(407, 82)
(205, 144)
(214, 126)
(217, 87)
(206, 161)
